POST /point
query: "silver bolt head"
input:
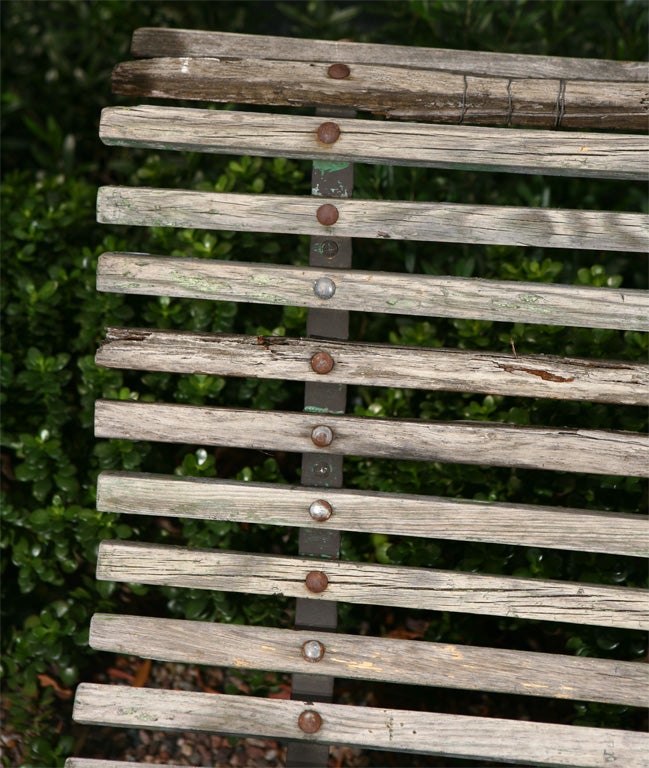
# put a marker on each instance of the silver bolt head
(322, 435)
(313, 650)
(324, 288)
(320, 510)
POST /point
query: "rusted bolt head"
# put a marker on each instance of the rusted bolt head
(309, 721)
(329, 248)
(328, 133)
(327, 214)
(339, 71)
(322, 435)
(324, 287)
(322, 362)
(320, 510)
(313, 650)
(316, 581)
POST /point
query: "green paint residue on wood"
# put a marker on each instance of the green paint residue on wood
(319, 409)
(329, 166)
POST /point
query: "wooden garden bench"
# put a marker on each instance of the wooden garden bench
(452, 96)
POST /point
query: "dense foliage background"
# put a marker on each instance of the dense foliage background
(56, 62)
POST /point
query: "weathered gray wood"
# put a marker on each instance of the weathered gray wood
(429, 146)
(372, 512)
(392, 293)
(434, 96)
(369, 658)
(421, 588)
(569, 450)
(429, 368)
(389, 729)
(150, 42)
(378, 219)
(89, 762)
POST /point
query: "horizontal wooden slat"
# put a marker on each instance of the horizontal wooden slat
(151, 41)
(430, 146)
(420, 588)
(388, 729)
(369, 658)
(569, 450)
(428, 368)
(89, 762)
(435, 96)
(378, 219)
(365, 511)
(391, 293)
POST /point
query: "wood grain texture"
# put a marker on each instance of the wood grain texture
(415, 144)
(388, 729)
(428, 368)
(376, 219)
(379, 659)
(89, 762)
(391, 513)
(568, 450)
(390, 293)
(421, 588)
(151, 42)
(411, 94)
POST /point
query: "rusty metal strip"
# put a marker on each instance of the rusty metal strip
(329, 179)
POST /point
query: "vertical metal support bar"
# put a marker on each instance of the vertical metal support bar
(331, 180)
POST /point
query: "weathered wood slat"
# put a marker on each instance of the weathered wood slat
(377, 219)
(420, 588)
(428, 368)
(391, 293)
(388, 729)
(369, 658)
(430, 146)
(89, 762)
(152, 42)
(366, 511)
(569, 450)
(433, 96)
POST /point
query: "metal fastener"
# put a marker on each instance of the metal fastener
(309, 721)
(339, 71)
(329, 248)
(313, 650)
(324, 288)
(327, 214)
(328, 133)
(322, 470)
(322, 435)
(316, 581)
(320, 510)
(322, 362)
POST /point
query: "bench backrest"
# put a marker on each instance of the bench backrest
(460, 93)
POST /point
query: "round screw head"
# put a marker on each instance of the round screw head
(322, 435)
(322, 362)
(328, 133)
(324, 288)
(339, 71)
(327, 214)
(309, 721)
(320, 510)
(313, 650)
(329, 248)
(316, 581)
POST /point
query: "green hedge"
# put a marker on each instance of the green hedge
(57, 58)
